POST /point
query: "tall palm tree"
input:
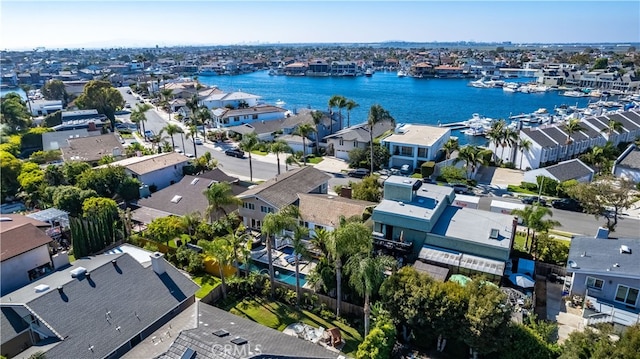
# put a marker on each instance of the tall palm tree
(340, 102)
(273, 224)
(278, 147)
(218, 196)
(524, 146)
(346, 241)
(376, 115)
(236, 237)
(221, 250)
(509, 139)
(572, 127)
(249, 143)
(366, 274)
(139, 117)
(473, 156)
(167, 96)
(495, 134)
(192, 105)
(202, 116)
(171, 129)
(612, 126)
(317, 120)
(299, 251)
(191, 221)
(524, 215)
(538, 224)
(450, 146)
(351, 104)
(193, 134)
(303, 131)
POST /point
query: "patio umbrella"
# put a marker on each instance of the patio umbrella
(522, 280)
(460, 279)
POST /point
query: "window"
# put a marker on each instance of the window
(266, 209)
(403, 151)
(341, 142)
(254, 117)
(626, 295)
(594, 283)
(355, 143)
(423, 152)
(248, 205)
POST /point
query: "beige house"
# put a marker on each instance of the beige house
(279, 192)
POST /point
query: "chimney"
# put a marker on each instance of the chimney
(91, 126)
(157, 262)
(345, 192)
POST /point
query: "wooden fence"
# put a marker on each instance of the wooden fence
(546, 269)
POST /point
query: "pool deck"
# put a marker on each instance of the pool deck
(279, 261)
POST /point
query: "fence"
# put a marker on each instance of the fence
(546, 269)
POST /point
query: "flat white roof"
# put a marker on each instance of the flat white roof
(507, 205)
(466, 198)
(418, 135)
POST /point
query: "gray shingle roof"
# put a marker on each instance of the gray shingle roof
(626, 123)
(263, 342)
(570, 169)
(538, 137)
(11, 324)
(633, 116)
(631, 160)
(360, 132)
(135, 297)
(282, 190)
(592, 255)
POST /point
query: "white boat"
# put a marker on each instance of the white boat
(574, 93)
(280, 103)
(511, 87)
(475, 131)
(368, 72)
(402, 73)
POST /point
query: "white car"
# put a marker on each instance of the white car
(197, 141)
(178, 150)
(190, 155)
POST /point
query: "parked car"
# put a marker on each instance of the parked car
(197, 141)
(460, 188)
(358, 173)
(234, 152)
(190, 155)
(568, 204)
(405, 169)
(534, 200)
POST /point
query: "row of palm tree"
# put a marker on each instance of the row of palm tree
(340, 102)
(502, 135)
(533, 217)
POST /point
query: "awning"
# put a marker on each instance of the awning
(435, 272)
(462, 260)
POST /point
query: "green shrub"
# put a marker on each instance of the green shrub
(427, 169)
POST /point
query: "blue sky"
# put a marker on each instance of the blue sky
(107, 23)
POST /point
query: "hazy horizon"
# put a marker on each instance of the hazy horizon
(106, 23)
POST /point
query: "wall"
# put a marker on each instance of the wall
(14, 270)
(162, 178)
(468, 247)
(609, 289)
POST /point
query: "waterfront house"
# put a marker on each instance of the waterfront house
(357, 136)
(344, 68)
(296, 69)
(627, 165)
(318, 67)
(279, 192)
(92, 149)
(605, 273)
(423, 220)
(448, 71)
(99, 307)
(413, 144)
(564, 171)
(421, 69)
(236, 99)
(225, 117)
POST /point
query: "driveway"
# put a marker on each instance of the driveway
(499, 177)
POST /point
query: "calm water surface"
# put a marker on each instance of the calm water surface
(409, 100)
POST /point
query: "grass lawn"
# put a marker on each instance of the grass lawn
(314, 160)
(278, 316)
(258, 152)
(206, 282)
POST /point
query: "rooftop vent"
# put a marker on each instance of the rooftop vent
(573, 264)
(78, 272)
(5, 219)
(221, 333)
(625, 249)
(195, 180)
(176, 199)
(41, 288)
(495, 233)
(114, 262)
(401, 203)
(239, 341)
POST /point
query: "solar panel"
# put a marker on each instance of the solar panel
(188, 354)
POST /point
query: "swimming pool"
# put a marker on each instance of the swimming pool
(282, 275)
(288, 250)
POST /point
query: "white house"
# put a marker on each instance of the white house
(414, 144)
(354, 137)
(627, 165)
(222, 99)
(160, 170)
(225, 117)
(567, 170)
(44, 107)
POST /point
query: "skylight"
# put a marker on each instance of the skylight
(176, 199)
(495, 233)
(239, 341)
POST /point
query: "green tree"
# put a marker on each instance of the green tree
(100, 207)
(590, 343)
(366, 274)
(165, 229)
(473, 157)
(601, 63)
(100, 95)
(304, 130)
(452, 174)
(272, 225)
(70, 199)
(340, 102)
(171, 130)
(378, 344)
(369, 189)
(10, 168)
(193, 134)
(222, 251)
(55, 90)
(139, 117)
(278, 147)
(73, 169)
(572, 127)
(524, 146)
(487, 318)
(376, 115)
(450, 146)
(612, 126)
(218, 196)
(350, 105)
(249, 143)
(495, 134)
(317, 120)
(14, 112)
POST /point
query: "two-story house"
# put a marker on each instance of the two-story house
(605, 272)
(279, 192)
(357, 136)
(225, 117)
(158, 170)
(219, 99)
(413, 144)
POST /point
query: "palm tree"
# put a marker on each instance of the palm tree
(524, 215)
(572, 127)
(350, 106)
(346, 241)
(473, 156)
(303, 131)
(221, 250)
(191, 221)
(218, 196)
(509, 139)
(192, 105)
(236, 238)
(202, 116)
(249, 143)
(278, 147)
(193, 134)
(317, 118)
(612, 126)
(171, 129)
(319, 240)
(525, 145)
(495, 134)
(376, 115)
(273, 224)
(450, 146)
(299, 251)
(539, 224)
(340, 102)
(138, 115)
(366, 274)
(167, 96)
